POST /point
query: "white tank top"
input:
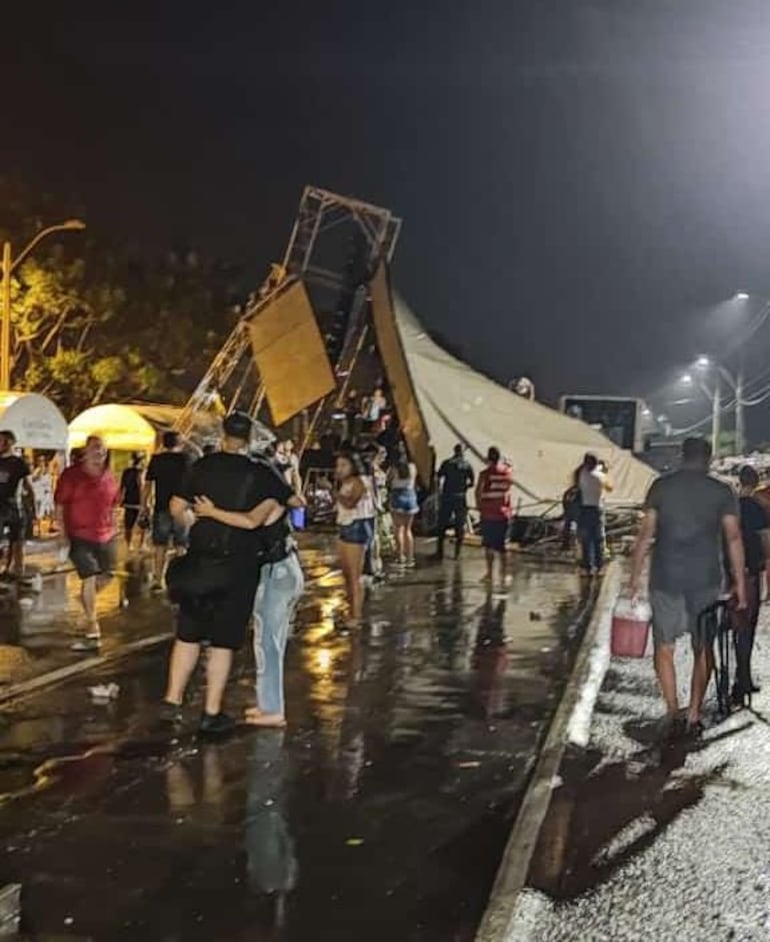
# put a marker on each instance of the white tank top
(364, 509)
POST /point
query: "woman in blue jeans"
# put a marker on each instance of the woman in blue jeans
(281, 583)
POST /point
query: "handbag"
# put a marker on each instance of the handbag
(194, 576)
(210, 571)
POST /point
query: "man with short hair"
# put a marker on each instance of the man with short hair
(688, 514)
(86, 498)
(592, 483)
(13, 472)
(455, 478)
(493, 500)
(233, 482)
(164, 475)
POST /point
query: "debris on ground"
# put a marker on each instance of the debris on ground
(104, 692)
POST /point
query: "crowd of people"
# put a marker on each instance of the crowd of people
(222, 541)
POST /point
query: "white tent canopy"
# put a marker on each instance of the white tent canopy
(35, 421)
(460, 405)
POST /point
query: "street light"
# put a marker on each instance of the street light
(9, 266)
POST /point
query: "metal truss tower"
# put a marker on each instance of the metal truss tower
(317, 254)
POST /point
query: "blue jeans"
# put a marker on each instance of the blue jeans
(280, 586)
(591, 533)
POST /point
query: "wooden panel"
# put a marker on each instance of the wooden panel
(397, 371)
(290, 354)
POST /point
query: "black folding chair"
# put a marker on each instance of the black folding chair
(714, 623)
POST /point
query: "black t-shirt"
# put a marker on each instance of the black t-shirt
(753, 521)
(231, 482)
(12, 470)
(457, 475)
(167, 471)
(129, 485)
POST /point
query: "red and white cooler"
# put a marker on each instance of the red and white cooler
(631, 621)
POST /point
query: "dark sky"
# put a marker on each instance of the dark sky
(576, 178)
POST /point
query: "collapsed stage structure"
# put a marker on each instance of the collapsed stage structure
(302, 340)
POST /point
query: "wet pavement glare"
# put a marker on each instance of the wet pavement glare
(381, 811)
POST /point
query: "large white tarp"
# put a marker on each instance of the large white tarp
(544, 446)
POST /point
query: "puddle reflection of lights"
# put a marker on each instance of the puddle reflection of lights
(324, 659)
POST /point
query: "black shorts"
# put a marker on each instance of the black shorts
(221, 619)
(130, 517)
(494, 534)
(93, 559)
(11, 523)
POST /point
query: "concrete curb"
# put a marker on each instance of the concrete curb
(498, 922)
(60, 674)
(26, 687)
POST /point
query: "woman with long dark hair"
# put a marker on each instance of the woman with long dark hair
(355, 521)
(402, 482)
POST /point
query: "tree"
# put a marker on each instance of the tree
(92, 324)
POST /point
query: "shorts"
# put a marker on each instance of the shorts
(494, 534)
(93, 559)
(676, 614)
(11, 523)
(165, 530)
(360, 532)
(404, 501)
(130, 517)
(221, 619)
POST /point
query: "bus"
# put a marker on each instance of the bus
(620, 418)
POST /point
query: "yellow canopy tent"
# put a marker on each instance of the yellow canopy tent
(122, 427)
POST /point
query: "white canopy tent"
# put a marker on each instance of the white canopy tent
(35, 421)
(442, 401)
(545, 446)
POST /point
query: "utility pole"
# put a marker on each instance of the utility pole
(740, 416)
(716, 414)
(5, 329)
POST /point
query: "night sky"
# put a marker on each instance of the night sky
(579, 180)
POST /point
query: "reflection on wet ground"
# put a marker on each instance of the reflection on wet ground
(382, 810)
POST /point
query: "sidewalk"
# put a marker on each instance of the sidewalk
(643, 842)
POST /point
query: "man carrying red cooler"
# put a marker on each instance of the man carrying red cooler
(687, 514)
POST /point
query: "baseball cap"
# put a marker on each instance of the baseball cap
(238, 425)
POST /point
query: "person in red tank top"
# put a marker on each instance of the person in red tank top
(493, 500)
(86, 497)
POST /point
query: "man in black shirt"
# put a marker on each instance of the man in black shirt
(232, 482)
(754, 529)
(165, 473)
(13, 471)
(455, 477)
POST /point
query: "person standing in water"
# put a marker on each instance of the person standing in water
(402, 481)
(355, 522)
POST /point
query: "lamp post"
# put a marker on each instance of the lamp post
(715, 398)
(9, 266)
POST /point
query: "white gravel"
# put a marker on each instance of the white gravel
(706, 876)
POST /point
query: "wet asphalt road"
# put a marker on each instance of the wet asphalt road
(666, 843)
(381, 813)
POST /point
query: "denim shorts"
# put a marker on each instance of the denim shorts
(403, 500)
(93, 559)
(359, 531)
(165, 530)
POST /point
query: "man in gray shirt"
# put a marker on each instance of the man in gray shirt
(687, 514)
